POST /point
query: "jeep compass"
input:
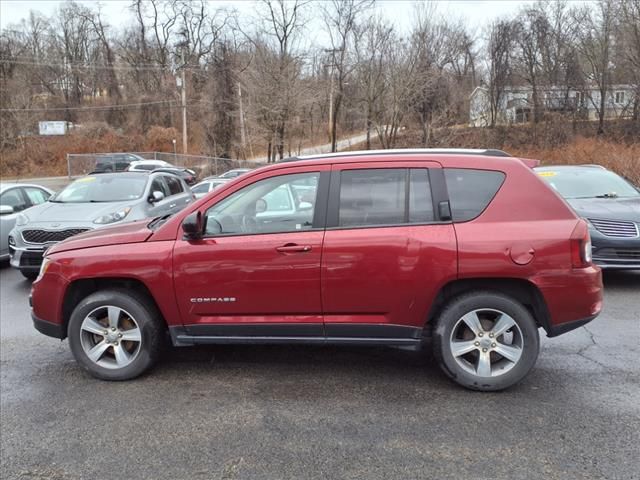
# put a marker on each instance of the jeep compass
(468, 252)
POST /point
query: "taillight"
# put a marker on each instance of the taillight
(581, 246)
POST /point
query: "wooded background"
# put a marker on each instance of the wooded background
(258, 86)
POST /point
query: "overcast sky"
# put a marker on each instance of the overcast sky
(476, 12)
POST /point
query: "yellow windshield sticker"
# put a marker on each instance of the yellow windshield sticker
(86, 179)
(547, 174)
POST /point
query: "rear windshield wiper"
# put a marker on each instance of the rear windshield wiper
(608, 195)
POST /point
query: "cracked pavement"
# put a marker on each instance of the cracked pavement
(247, 412)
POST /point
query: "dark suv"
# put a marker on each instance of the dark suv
(472, 251)
(115, 162)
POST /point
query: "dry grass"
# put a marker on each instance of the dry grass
(555, 141)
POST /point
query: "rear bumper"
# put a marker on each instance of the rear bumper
(555, 330)
(47, 328)
(573, 298)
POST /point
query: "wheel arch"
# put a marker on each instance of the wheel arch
(81, 288)
(524, 291)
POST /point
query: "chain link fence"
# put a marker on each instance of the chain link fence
(79, 164)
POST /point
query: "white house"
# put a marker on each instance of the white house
(516, 104)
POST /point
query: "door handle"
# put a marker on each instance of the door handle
(293, 248)
(172, 205)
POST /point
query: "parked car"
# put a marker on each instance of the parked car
(92, 202)
(207, 185)
(186, 174)
(475, 252)
(609, 204)
(16, 198)
(148, 165)
(236, 172)
(115, 162)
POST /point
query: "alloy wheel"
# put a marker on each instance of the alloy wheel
(110, 337)
(486, 342)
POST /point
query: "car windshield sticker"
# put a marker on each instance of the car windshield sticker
(547, 174)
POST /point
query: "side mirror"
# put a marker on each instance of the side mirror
(304, 206)
(156, 196)
(192, 226)
(6, 209)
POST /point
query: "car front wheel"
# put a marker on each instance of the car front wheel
(486, 341)
(115, 335)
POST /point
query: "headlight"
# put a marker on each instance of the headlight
(21, 219)
(113, 217)
(43, 268)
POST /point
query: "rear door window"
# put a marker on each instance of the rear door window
(175, 186)
(471, 191)
(420, 201)
(372, 197)
(389, 196)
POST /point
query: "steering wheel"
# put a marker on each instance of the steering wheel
(248, 224)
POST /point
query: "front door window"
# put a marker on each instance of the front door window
(274, 205)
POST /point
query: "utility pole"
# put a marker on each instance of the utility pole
(331, 108)
(184, 105)
(243, 139)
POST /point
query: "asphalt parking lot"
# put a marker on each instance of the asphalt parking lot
(251, 412)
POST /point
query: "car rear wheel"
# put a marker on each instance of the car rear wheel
(486, 341)
(115, 335)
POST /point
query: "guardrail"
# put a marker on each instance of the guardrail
(79, 164)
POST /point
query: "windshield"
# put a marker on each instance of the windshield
(588, 183)
(107, 188)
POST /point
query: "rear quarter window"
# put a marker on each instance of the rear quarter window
(471, 191)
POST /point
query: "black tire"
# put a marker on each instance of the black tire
(29, 274)
(463, 305)
(150, 324)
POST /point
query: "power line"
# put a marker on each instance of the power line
(87, 66)
(166, 103)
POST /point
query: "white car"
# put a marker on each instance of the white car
(207, 185)
(148, 165)
(236, 172)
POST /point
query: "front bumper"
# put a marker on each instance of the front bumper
(615, 253)
(26, 259)
(47, 328)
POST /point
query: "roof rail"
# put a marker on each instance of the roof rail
(487, 152)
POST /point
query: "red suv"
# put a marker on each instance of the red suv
(467, 249)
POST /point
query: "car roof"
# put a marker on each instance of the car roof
(135, 173)
(6, 185)
(572, 168)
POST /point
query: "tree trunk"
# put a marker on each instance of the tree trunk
(603, 92)
(369, 123)
(334, 122)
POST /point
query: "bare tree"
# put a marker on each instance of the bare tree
(595, 34)
(499, 64)
(341, 18)
(629, 35)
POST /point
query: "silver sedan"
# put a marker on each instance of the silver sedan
(14, 199)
